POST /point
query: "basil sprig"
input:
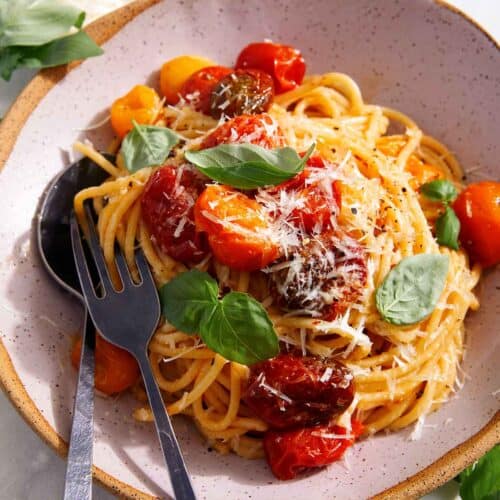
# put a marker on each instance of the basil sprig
(32, 35)
(447, 224)
(409, 293)
(248, 166)
(236, 326)
(147, 146)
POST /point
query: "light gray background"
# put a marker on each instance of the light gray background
(29, 469)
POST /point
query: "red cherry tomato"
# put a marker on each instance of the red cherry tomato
(115, 369)
(290, 453)
(478, 208)
(238, 231)
(167, 209)
(285, 64)
(261, 130)
(199, 86)
(292, 390)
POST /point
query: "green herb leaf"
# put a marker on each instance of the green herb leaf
(237, 327)
(25, 23)
(409, 293)
(248, 166)
(448, 229)
(439, 190)
(481, 481)
(60, 51)
(146, 146)
(240, 330)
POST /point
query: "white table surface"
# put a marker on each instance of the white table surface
(29, 469)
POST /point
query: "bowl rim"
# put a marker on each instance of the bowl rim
(101, 30)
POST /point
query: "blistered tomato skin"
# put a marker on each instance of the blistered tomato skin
(291, 390)
(290, 453)
(285, 64)
(199, 86)
(242, 92)
(478, 208)
(254, 129)
(167, 206)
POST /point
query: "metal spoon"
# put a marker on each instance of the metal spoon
(54, 244)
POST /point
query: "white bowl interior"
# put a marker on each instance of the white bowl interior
(416, 56)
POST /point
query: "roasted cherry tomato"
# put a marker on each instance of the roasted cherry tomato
(290, 453)
(421, 172)
(175, 72)
(478, 208)
(140, 104)
(285, 64)
(292, 390)
(242, 92)
(115, 369)
(326, 275)
(167, 209)
(239, 233)
(261, 130)
(199, 86)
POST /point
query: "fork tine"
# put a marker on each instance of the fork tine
(80, 261)
(122, 267)
(95, 247)
(143, 267)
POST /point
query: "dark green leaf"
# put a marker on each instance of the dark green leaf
(9, 61)
(240, 330)
(147, 146)
(188, 298)
(248, 166)
(481, 481)
(448, 229)
(409, 293)
(439, 190)
(31, 23)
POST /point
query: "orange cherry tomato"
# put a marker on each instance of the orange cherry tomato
(115, 369)
(239, 232)
(140, 104)
(478, 208)
(199, 86)
(285, 64)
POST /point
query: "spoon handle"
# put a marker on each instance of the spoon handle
(78, 483)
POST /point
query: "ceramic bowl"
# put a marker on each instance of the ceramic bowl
(421, 57)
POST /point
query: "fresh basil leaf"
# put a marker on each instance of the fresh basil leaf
(9, 61)
(409, 293)
(248, 166)
(481, 481)
(439, 190)
(25, 23)
(240, 330)
(188, 298)
(448, 229)
(147, 146)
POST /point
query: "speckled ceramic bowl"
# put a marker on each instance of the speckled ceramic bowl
(419, 56)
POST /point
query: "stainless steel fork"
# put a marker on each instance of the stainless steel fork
(128, 318)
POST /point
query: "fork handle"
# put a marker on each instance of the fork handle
(179, 476)
(78, 483)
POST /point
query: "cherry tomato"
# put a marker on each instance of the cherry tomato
(239, 232)
(140, 104)
(326, 275)
(176, 71)
(478, 208)
(242, 92)
(199, 86)
(115, 369)
(285, 64)
(261, 130)
(292, 390)
(167, 209)
(290, 453)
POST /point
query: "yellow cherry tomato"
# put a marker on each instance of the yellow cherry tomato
(140, 104)
(175, 72)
